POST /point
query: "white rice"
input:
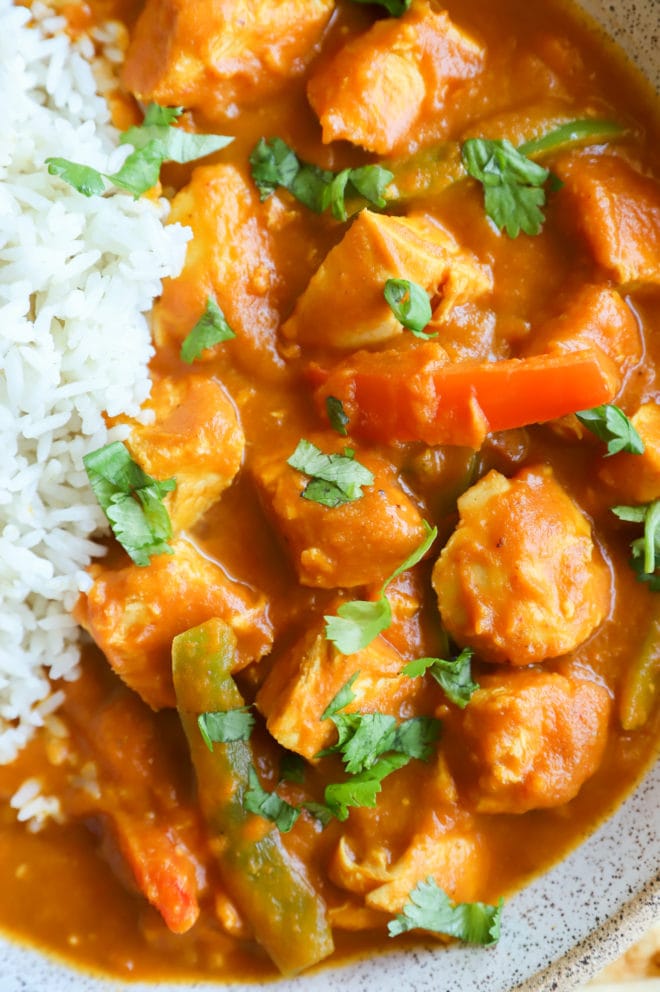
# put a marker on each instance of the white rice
(77, 278)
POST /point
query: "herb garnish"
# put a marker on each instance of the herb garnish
(395, 7)
(359, 621)
(334, 479)
(210, 329)
(512, 184)
(430, 908)
(453, 676)
(646, 549)
(268, 804)
(337, 416)
(224, 726)
(274, 164)
(132, 501)
(610, 424)
(154, 141)
(410, 304)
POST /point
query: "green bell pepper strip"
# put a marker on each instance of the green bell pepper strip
(268, 885)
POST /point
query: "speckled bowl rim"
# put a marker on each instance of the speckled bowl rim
(553, 940)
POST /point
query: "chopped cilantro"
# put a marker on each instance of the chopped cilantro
(395, 7)
(223, 726)
(273, 164)
(610, 424)
(337, 415)
(292, 767)
(154, 141)
(359, 621)
(361, 789)
(334, 479)
(410, 304)
(645, 549)
(268, 804)
(512, 184)
(210, 329)
(341, 699)
(430, 908)
(132, 501)
(454, 676)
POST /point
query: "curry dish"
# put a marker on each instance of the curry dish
(394, 649)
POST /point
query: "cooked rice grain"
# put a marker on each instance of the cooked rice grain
(77, 278)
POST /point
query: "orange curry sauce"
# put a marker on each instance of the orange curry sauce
(539, 57)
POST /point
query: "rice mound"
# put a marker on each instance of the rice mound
(77, 279)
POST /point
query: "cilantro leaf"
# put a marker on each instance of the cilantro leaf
(341, 699)
(223, 726)
(395, 7)
(292, 767)
(337, 415)
(453, 676)
(415, 737)
(361, 789)
(611, 425)
(645, 549)
(154, 141)
(131, 500)
(512, 184)
(429, 908)
(335, 479)
(274, 164)
(359, 621)
(210, 329)
(268, 804)
(410, 304)
(320, 811)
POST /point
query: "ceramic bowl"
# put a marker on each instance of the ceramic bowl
(562, 928)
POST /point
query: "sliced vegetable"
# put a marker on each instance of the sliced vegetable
(410, 305)
(610, 424)
(417, 395)
(224, 726)
(453, 676)
(512, 184)
(573, 132)
(274, 164)
(430, 908)
(641, 678)
(359, 621)
(132, 501)
(211, 329)
(154, 141)
(269, 886)
(335, 479)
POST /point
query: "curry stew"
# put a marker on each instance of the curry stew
(447, 512)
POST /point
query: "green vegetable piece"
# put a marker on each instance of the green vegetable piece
(292, 768)
(611, 425)
(83, 178)
(646, 549)
(132, 501)
(224, 726)
(268, 804)
(430, 908)
(395, 7)
(335, 479)
(359, 621)
(211, 329)
(512, 184)
(640, 682)
(571, 133)
(453, 676)
(410, 304)
(337, 416)
(269, 887)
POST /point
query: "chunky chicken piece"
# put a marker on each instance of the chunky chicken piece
(353, 544)
(213, 54)
(596, 315)
(618, 211)
(381, 86)
(229, 259)
(344, 306)
(304, 681)
(636, 478)
(527, 740)
(521, 580)
(195, 438)
(133, 613)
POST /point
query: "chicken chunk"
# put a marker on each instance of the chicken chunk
(343, 305)
(596, 315)
(229, 259)
(636, 478)
(195, 438)
(133, 613)
(527, 740)
(381, 85)
(349, 545)
(211, 55)
(303, 682)
(521, 580)
(618, 211)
